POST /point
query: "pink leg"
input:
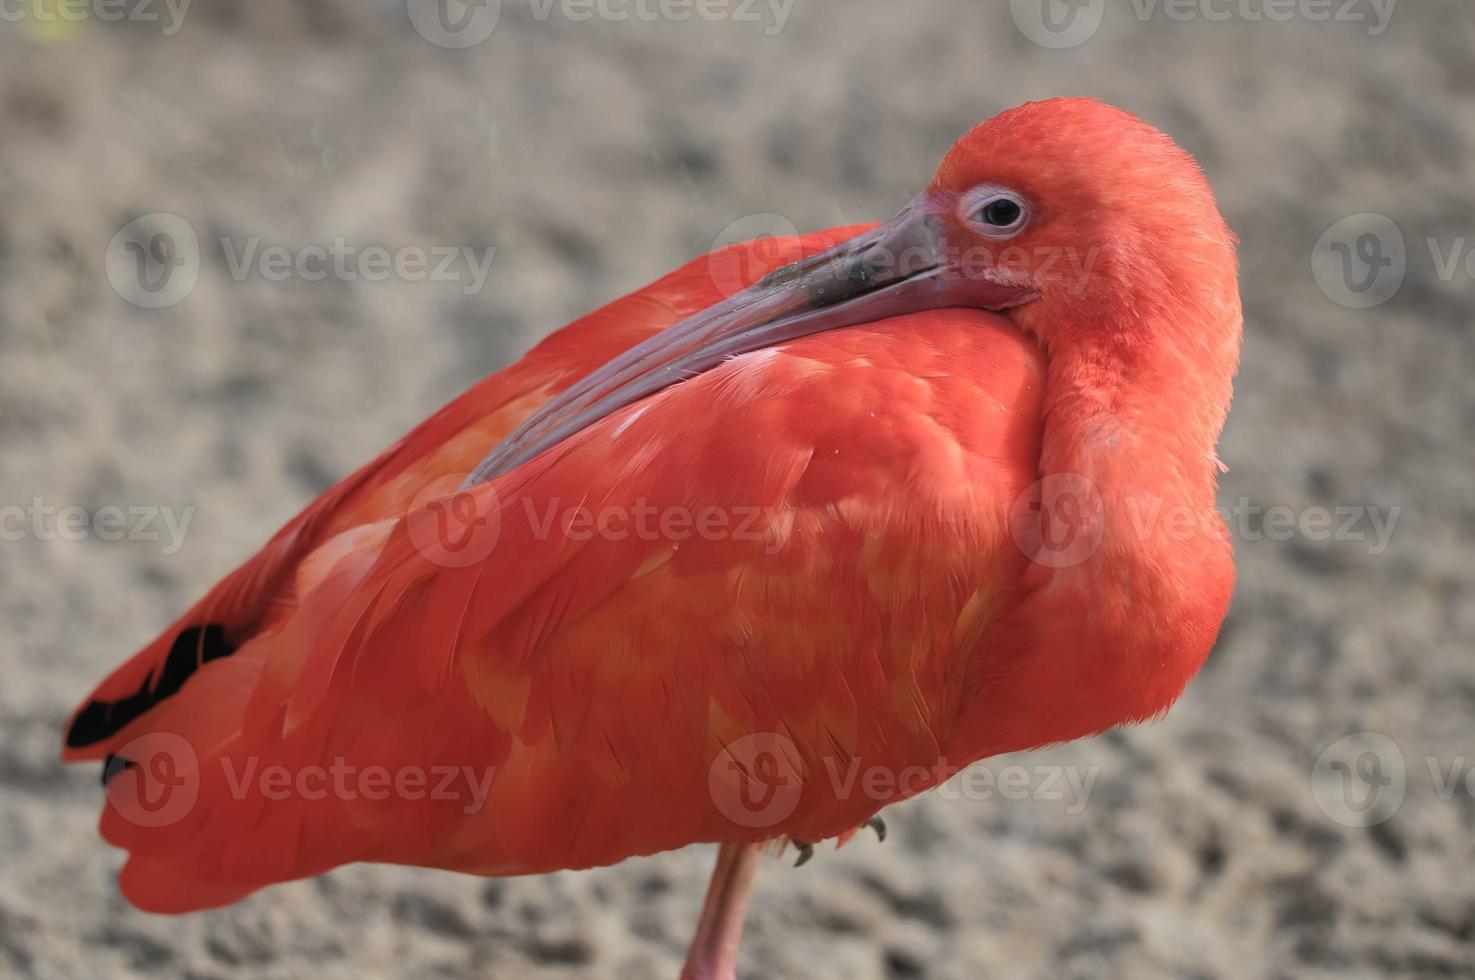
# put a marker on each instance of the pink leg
(713, 953)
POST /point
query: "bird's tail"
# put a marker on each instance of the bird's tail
(202, 778)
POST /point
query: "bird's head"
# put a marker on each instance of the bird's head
(1088, 228)
(1079, 219)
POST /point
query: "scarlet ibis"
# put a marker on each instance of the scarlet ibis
(899, 497)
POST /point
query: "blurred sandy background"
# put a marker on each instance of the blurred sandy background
(593, 156)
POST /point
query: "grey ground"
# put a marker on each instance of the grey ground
(595, 156)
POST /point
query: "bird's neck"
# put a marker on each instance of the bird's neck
(1133, 571)
(1141, 429)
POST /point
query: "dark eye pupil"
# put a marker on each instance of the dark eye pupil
(1001, 213)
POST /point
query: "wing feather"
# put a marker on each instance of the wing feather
(806, 565)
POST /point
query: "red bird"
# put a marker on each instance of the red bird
(900, 497)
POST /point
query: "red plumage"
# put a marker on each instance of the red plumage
(845, 554)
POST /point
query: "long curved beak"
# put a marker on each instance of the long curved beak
(901, 267)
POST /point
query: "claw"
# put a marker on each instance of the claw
(806, 849)
(878, 825)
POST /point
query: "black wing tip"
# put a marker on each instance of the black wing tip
(192, 648)
(113, 765)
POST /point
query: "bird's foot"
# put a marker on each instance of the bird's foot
(878, 825)
(806, 848)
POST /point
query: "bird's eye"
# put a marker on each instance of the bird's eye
(999, 213)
